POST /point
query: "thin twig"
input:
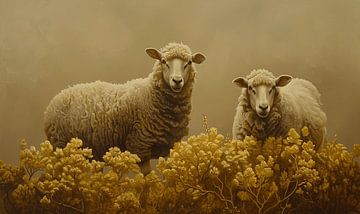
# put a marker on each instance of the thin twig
(67, 206)
(220, 197)
(284, 199)
(257, 202)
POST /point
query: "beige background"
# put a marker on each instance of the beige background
(47, 45)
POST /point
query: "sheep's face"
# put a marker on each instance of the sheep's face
(261, 96)
(176, 71)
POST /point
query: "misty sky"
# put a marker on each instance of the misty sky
(48, 45)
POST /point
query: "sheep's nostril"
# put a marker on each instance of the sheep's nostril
(263, 107)
(177, 81)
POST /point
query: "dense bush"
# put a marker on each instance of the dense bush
(207, 173)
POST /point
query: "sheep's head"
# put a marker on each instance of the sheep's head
(176, 68)
(262, 87)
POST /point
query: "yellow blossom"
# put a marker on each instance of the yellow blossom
(45, 200)
(208, 173)
(305, 131)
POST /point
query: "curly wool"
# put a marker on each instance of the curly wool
(179, 50)
(295, 106)
(261, 77)
(143, 116)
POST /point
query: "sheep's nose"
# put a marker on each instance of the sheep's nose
(177, 81)
(263, 107)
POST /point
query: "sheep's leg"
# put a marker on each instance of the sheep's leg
(240, 133)
(145, 166)
(138, 147)
(145, 169)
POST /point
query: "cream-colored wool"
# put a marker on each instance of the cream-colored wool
(295, 105)
(143, 116)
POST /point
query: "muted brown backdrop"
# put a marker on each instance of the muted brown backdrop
(47, 45)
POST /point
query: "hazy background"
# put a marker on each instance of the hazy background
(46, 45)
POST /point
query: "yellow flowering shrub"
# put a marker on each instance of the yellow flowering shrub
(211, 174)
(68, 181)
(207, 173)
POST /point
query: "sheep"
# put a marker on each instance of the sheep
(143, 116)
(270, 106)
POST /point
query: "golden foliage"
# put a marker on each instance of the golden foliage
(208, 173)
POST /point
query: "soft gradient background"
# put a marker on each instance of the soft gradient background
(47, 45)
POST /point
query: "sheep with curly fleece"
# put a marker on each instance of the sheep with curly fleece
(144, 116)
(270, 106)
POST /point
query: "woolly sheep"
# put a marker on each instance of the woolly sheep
(270, 106)
(144, 116)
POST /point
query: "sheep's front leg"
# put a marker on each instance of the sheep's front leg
(135, 145)
(145, 166)
(240, 130)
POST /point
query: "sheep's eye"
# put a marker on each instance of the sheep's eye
(271, 90)
(163, 61)
(189, 63)
(251, 89)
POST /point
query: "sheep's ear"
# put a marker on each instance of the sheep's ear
(283, 80)
(241, 82)
(153, 53)
(198, 58)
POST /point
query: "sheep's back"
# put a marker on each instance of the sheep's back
(301, 101)
(85, 111)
